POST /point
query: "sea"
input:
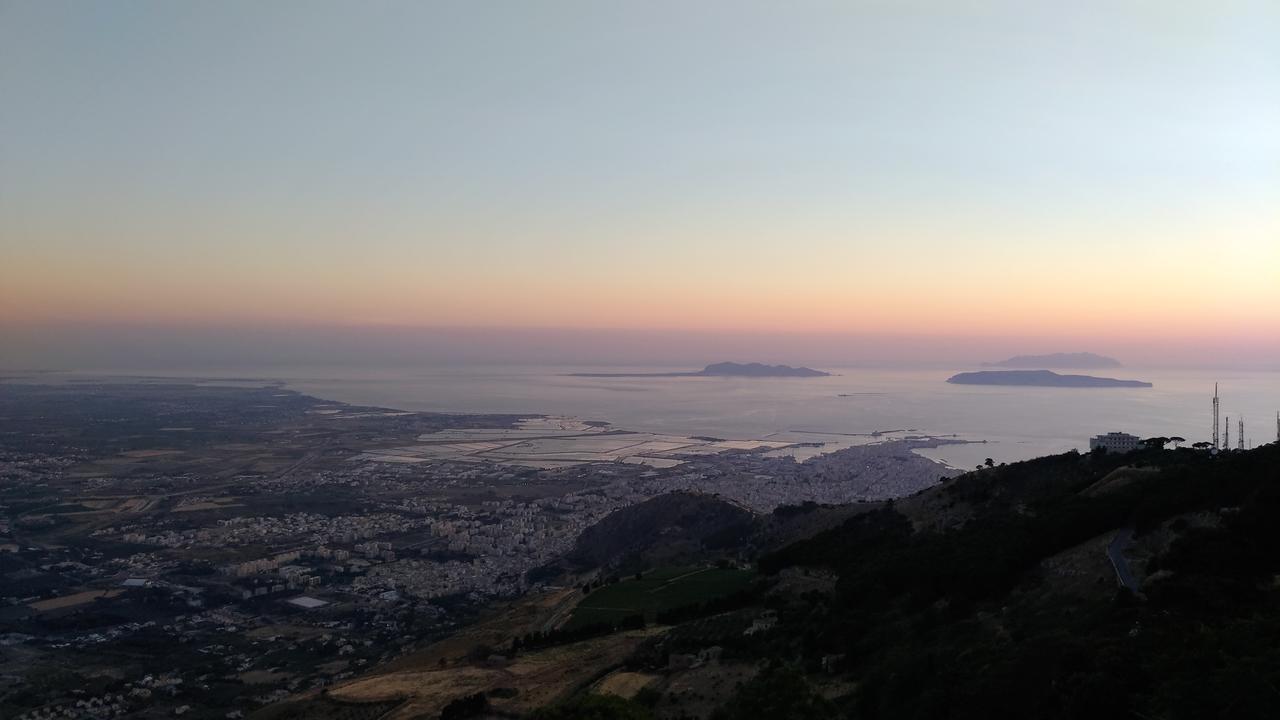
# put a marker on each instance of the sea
(851, 407)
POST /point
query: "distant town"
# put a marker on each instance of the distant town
(268, 543)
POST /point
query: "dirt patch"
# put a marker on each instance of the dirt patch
(211, 505)
(67, 601)
(539, 678)
(526, 615)
(134, 505)
(1119, 478)
(624, 684)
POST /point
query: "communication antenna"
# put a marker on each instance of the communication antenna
(1226, 434)
(1215, 417)
(1240, 436)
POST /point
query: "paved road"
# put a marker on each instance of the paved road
(1115, 553)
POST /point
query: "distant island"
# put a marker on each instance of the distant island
(724, 369)
(1072, 361)
(1040, 378)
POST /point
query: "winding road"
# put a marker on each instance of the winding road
(1115, 553)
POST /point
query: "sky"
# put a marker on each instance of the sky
(925, 176)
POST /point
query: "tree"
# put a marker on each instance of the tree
(1175, 440)
(989, 462)
(779, 693)
(594, 707)
(1201, 445)
(465, 707)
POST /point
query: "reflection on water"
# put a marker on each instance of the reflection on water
(1016, 423)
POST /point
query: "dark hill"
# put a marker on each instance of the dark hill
(993, 595)
(671, 528)
(1039, 378)
(760, 370)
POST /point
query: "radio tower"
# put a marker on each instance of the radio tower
(1240, 436)
(1215, 416)
(1226, 434)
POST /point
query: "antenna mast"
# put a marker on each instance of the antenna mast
(1240, 436)
(1215, 416)
(1226, 434)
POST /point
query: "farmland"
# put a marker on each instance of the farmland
(658, 591)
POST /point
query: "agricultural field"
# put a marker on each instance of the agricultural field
(658, 591)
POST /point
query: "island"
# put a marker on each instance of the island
(724, 369)
(1071, 361)
(1040, 378)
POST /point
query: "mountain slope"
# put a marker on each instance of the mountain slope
(671, 528)
(1039, 378)
(991, 596)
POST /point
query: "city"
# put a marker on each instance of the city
(262, 584)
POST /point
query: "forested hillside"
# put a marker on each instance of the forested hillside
(963, 602)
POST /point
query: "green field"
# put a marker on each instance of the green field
(658, 591)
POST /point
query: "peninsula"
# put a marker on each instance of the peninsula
(724, 369)
(1040, 378)
(1070, 361)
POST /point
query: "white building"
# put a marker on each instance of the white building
(1115, 442)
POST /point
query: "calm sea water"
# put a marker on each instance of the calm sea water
(1015, 423)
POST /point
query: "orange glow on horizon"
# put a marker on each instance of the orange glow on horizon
(1200, 275)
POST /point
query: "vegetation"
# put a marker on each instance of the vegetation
(678, 528)
(657, 592)
(536, 640)
(468, 706)
(779, 693)
(594, 707)
(324, 708)
(938, 617)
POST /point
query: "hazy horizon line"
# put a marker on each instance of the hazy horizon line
(115, 346)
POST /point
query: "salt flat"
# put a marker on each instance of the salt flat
(557, 442)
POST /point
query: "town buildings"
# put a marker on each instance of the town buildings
(1115, 442)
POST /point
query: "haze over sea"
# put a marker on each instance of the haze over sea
(1016, 422)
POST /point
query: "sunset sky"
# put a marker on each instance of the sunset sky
(1094, 171)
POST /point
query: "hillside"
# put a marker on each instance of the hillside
(993, 595)
(1070, 361)
(1039, 378)
(760, 370)
(672, 528)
